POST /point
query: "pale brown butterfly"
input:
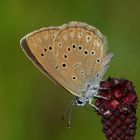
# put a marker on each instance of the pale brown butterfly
(73, 55)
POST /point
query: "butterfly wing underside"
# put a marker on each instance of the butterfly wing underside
(82, 55)
(72, 55)
(39, 47)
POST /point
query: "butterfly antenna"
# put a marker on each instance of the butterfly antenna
(70, 112)
(66, 109)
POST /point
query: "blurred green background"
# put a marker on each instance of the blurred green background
(30, 104)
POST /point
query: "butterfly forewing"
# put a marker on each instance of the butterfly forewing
(39, 47)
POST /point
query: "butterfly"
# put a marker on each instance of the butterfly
(73, 55)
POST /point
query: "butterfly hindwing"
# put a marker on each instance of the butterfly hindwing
(85, 49)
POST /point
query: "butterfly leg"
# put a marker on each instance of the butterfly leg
(94, 106)
(102, 97)
(103, 88)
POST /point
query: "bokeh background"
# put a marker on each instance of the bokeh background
(30, 104)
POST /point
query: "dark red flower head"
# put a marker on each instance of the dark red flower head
(118, 110)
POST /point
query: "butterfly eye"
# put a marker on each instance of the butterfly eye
(79, 102)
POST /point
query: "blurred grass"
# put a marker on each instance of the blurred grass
(30, 104)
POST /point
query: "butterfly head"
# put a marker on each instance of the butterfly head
(92, 91)
(79, 101)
